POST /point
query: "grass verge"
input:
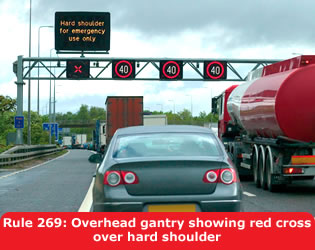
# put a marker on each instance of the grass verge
(34, 162)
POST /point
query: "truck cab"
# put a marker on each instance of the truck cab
(226, 129)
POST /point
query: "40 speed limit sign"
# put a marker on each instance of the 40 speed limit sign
(214, 70)
(171, 70)
(123, 69)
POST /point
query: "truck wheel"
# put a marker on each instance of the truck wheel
(262, 171)
(270, 186)
(256, 170)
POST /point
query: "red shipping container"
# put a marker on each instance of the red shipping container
(122, 111)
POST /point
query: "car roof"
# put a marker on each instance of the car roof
(163, 129)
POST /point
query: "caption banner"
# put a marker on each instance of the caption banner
(156, 230)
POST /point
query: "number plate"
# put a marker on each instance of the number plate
(172, 208)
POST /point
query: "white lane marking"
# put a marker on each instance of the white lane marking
(88, 200)
(249, 194)
(39, 165)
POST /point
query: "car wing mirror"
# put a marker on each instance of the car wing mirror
(96, 158)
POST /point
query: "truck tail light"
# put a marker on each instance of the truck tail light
(115, 178)
(293, 171)
(226, 176)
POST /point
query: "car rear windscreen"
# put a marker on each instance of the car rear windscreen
(166, 144)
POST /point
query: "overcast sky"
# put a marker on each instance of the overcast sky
(271, 29)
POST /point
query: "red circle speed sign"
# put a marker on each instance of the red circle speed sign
(123, 69)
(172, 71)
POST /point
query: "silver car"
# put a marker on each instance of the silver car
(166, 168)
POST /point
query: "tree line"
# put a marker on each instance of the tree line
(85, 113)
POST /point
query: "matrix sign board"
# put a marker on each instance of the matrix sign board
(78, 69)
(123, 69)
(82, 31)
(171, 70)
(214, 70)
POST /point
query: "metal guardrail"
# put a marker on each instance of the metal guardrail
(19, 154)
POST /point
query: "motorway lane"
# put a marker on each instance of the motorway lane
(61, 185)
(57, 186)
(296, 197)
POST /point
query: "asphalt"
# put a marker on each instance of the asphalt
(57, 186)
(296, 197)
(62, 184)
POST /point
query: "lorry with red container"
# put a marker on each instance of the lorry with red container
(122, 111)
(267, 124)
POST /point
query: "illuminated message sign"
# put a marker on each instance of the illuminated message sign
(171, 70)
(82, 31)
(78, 69)
(214, 70)
(123, 69)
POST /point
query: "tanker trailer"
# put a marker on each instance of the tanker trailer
(268, 123)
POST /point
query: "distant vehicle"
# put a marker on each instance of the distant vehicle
(267, 123)
(165, 168)
(67, 141)
(121, 112)
(78, 141)
(154, 120)
(99, 136)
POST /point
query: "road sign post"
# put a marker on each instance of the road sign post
(19, 99)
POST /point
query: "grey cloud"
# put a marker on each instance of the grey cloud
(248, 22)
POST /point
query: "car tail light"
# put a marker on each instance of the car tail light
(112, 178)
(226, 176)
(129, 177)
(293, 171)
(115, 178)
(211, 176)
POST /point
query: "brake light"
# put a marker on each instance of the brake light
(293, 171)
(112, 178)
(226, 176)
(211, 176)
(305, 62)
(115, 178)
(129, 177)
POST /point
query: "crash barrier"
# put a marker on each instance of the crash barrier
(19, 154)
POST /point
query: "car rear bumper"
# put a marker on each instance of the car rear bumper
(202, 206)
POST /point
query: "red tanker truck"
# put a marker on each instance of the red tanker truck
(267, 124)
